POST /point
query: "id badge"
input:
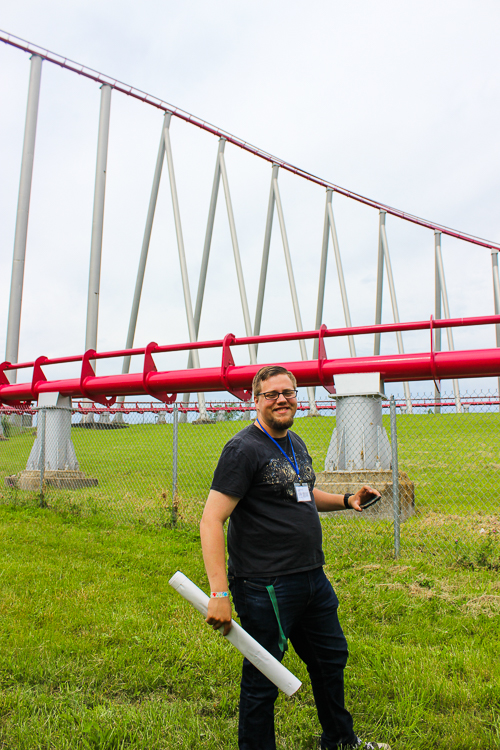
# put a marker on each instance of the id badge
(302, 493)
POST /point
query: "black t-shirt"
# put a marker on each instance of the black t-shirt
(269, 531)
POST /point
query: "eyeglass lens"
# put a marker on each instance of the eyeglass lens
(273, 395)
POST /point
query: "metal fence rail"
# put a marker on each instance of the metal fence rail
(438, 470)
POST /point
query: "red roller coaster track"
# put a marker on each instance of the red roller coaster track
(237, 380)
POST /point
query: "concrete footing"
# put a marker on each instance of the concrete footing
(53, 452)
(29, 481)
(118, 418)
(53, 448)
(202, 420)
(341, 482)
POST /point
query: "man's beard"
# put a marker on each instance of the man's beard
(283, 424)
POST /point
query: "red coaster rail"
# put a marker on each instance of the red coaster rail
(165, 385)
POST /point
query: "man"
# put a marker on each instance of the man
(264, 481)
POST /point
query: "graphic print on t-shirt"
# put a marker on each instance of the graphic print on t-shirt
(281, 477)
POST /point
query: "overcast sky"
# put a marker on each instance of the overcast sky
(395, 100)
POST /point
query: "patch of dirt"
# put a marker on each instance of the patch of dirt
(417, 588)
(424, 592)
(487, 604)
(398, 568)
(190, 510)
(471, 522)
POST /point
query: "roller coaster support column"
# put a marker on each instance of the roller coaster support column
(182, 257)
(52, 461)
(313, 411)
(53, 440)
(359, 451)
(359, 441)
(441, 293)
(142, 263)
(97, 224)
(98, 220)
(496, 295)
(329, 227)
(237, 257)
(383, 255)
(204, 260)
(23, 206)
(265, 255)
(437, 331)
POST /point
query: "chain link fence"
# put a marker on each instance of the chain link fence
(437, 467)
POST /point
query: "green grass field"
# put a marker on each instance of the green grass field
(453, 460)
(99, 653)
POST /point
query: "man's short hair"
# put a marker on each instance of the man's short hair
(269, 371)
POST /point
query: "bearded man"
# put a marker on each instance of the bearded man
(264, 482)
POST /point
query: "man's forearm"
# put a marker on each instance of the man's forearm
(327, 502)
(214, 553)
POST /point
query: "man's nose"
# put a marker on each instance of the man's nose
(281, 397)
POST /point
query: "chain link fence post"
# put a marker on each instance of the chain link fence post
(395, 479)
(42, 416)
(175, 453)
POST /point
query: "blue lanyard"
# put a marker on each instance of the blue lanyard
(293, 463)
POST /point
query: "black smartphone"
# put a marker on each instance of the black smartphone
(371, 500)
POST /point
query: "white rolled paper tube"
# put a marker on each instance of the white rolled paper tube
(248, 646)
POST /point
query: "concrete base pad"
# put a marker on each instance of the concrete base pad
(30, 480)
(341, 482)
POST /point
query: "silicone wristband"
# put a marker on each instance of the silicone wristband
(346, 500)
(218, 594)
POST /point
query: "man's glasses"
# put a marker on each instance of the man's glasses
(289, 394)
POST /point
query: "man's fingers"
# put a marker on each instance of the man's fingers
(219, 624)
(368, 491)
(222, 627)
(367, 496)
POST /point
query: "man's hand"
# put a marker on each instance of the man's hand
(362, 497)
(218, 508)
(219, 614)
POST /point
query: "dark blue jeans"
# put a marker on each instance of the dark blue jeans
(308, 613)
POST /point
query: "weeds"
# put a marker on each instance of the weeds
(485, 555)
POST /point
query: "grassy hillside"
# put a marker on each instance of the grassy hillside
(97, 651)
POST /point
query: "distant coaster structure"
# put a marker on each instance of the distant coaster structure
(433, 365)
(359, 450)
